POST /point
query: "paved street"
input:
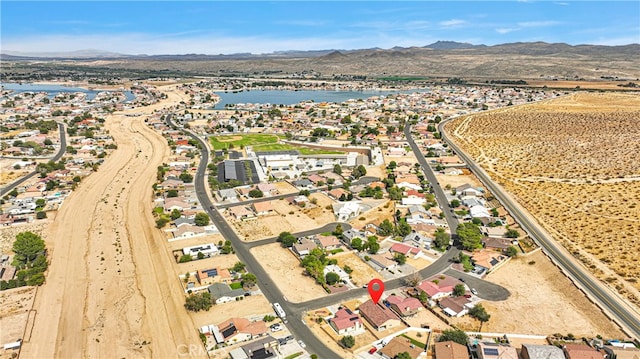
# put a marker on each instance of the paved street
(606, 298)
(57, 157)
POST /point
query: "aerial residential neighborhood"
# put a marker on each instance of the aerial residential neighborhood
(366, 198)
(328, 211)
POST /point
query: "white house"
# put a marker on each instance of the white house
(208, 250)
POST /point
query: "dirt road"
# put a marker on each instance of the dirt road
(111, 290)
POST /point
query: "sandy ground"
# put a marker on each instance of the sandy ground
(280, 263)
(9, 174)
(14, 312)
(111, 290)
(362, 272)
(583, 185)
(380, 210)
(459, 180)
(533, 307)
(286, 217)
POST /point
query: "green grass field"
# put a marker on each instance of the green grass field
(261, 142)
(254, 139)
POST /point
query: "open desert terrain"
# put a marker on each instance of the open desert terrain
(536, 288)
(573, 163)
(111, 290)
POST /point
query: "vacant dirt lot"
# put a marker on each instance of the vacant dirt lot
(14, 311)
(285, 269)
(286, 217)
(572, 162)
(362, 272)
(533, 307)
(255, 306)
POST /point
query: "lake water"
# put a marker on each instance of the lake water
(55, 89)
(288, 97)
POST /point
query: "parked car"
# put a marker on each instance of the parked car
(276, 327)
(302, 344)
(474, 291)
(373, 350)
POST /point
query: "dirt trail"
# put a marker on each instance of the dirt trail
(111, 289)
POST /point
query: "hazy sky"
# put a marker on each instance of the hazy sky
(214, 27)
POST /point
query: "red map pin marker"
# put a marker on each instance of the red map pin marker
(376, 288)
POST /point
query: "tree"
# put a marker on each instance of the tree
(386, 228)
(359, 171)
(373, 245)
(238, 267)
(185, 258)
(459, 290)
(199, 301)
(480, 314)
(256, 193)
(287, 239)
(403, 355)
(470, 236)
(175, 214)
(455, 203)
(338, 231)
(161, 222)
(172, 193)
(356, 243)
(512, 233)
(400, 258)
(337, 169)
(455, 335)
(27, 246)
(441, 239)
(201, 219)
(348, 341)
(186, 177)
(249, 280)
(403, 228)
(41, 215)
(40, 202)
(395, 193)
(332, 278)
(512, 251)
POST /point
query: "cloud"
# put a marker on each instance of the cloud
(506, 30)
(452, 23)
(310, 23)
(562, 3)
(202, 43)
(544, 23)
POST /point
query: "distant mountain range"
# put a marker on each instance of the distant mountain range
(520, 60)
(526, 48)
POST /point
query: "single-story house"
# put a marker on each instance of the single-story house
(417, 239)
(262, 208)
(237, 330)
(404, 306)
(241, 213)
(455, 306)
(399, 345)
(407, 250)
(497, 351)
(345, 322)
(222, 293)
(379, 316)
(534, 351)
(304, 247)
(208, 250)
(439, 286)
(327, 242)
(581, 351)
(487, 259)
(453, 350)
(213, 275)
